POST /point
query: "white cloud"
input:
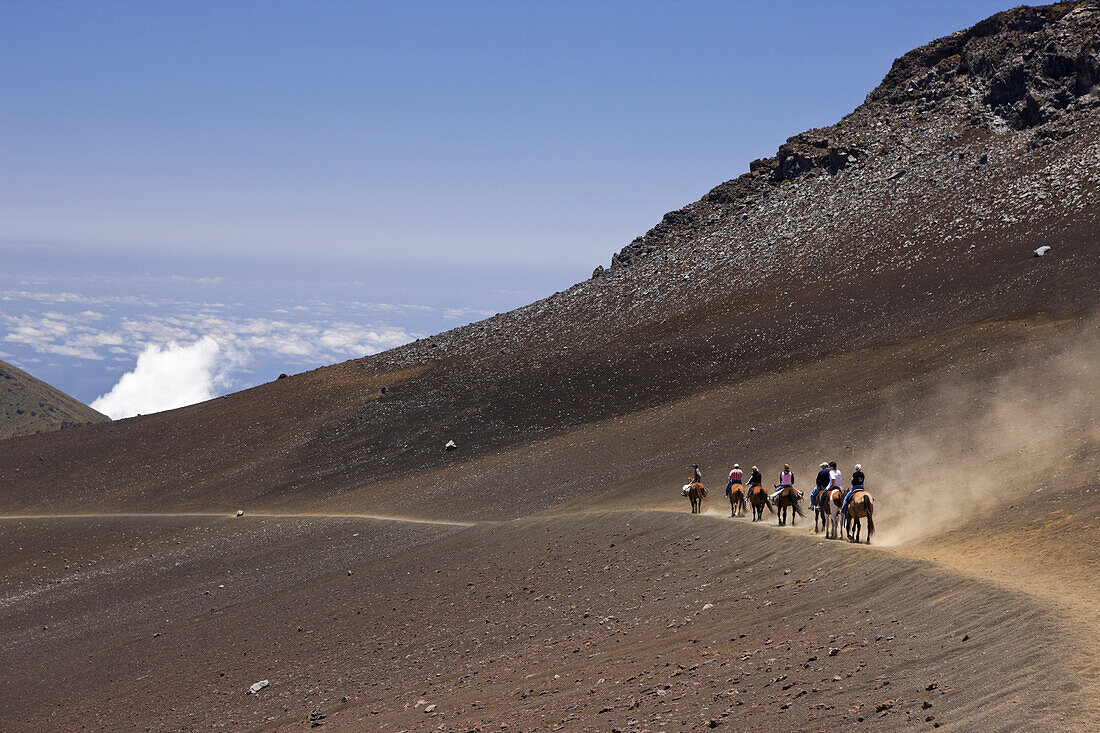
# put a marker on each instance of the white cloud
(467, 313)
(166, 378)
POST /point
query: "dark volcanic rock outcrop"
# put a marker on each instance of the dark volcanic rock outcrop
(1023, 68)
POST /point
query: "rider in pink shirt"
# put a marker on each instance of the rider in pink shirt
(786, 478)
(736, 475)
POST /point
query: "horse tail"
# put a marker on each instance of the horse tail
(768, 502)
(868, 507)
(795, 506)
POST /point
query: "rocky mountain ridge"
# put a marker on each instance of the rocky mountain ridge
(1020, 69)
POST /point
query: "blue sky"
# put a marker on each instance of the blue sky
(464, 156)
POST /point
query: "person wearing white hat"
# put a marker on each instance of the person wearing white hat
(823, 479)
(736, 476)
(857, 485)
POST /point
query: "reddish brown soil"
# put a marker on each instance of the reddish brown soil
(546, 574)
(608, 585)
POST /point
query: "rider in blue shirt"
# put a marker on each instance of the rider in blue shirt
(823, 479)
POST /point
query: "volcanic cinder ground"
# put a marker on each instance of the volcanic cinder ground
(876, 301)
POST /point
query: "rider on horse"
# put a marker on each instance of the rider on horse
(698, 477)
(735, 477)
(786, 478)
(755, 479)
(824, 477)
(857, 485)
(836, 478)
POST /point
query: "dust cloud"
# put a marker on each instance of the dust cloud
(974, 444)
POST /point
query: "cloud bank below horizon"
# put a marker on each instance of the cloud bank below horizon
(166, 378)
(152, 354)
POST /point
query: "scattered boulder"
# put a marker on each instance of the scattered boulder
(240, 512)
(1042, 250)
(256, 687)
(450, 445)
(283, 375)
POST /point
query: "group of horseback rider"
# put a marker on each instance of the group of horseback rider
(828, 478)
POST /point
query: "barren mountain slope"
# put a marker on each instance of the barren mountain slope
(869, 294)
(29, 406)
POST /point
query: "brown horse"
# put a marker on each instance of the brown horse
(758, 499)
(788, 497)
(737, 500)
(861, 505)
(697, 493)
(828, 511)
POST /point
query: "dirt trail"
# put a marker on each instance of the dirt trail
(229, 515)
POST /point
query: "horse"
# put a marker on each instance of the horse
(758, 499)
(788, 497)
(861, 505)
(828, 511)
(736, 495)
(697, 493)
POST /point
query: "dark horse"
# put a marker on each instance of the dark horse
(758, 499)
(737, 500)
(861, 505)
(697, 493)
(788, 497)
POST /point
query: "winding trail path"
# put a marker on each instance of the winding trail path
(227, 515)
